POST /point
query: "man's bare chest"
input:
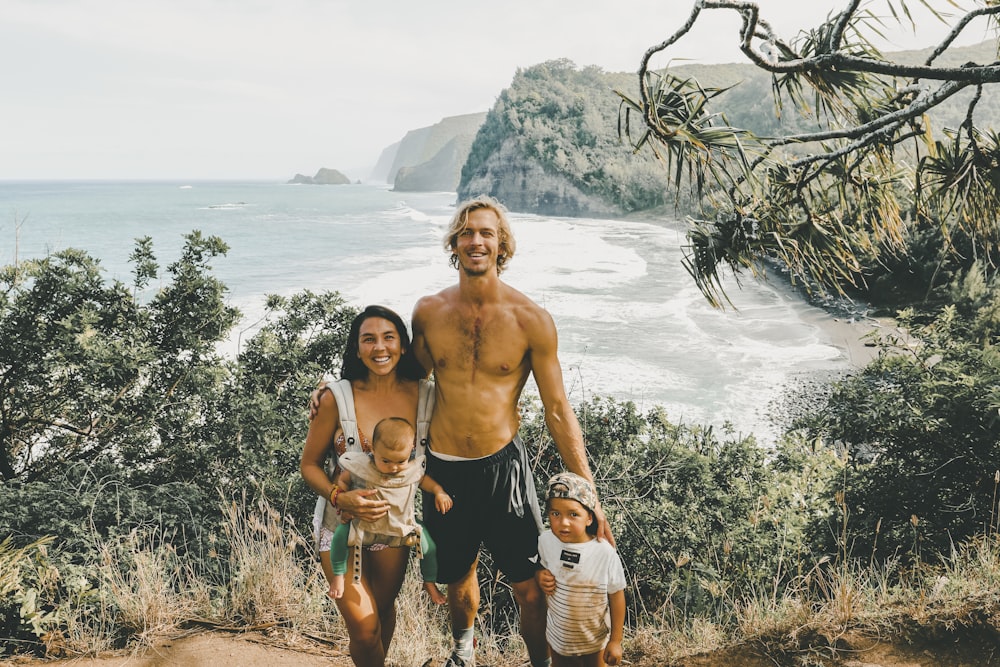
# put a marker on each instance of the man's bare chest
(495, 345)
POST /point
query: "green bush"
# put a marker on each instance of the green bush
(699, 520)
(922, 428)
(120, 416)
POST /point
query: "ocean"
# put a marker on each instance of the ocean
(632, 325)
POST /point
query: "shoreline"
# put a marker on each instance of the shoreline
(843, 322)
(851, 335)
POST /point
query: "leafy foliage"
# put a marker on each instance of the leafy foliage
(564, 118)
(267, 393)
(699, 520)
(922, 426)
(119, 415)
(90, 372)
(834, 199)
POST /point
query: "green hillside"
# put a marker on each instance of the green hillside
(556, 127)
(565, 119)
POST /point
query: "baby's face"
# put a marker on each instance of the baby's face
(391, 460)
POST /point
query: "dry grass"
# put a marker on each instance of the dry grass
(267, 583)
(961, 594)
(145, 584)
(666, 643)
(421, 626)
(144, 590)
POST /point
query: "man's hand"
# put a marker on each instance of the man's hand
(546, 581)
(603, 528)
(314, 399)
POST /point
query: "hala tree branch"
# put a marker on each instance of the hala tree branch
(832, 59)
(818, 200)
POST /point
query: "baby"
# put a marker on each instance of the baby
(389, 469)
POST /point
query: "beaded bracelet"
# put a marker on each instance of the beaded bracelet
(333, 497)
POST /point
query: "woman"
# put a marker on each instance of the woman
(384, 375)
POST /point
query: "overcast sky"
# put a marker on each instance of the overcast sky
(249, 89)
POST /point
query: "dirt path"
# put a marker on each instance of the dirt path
(218, 649)
(212, 649)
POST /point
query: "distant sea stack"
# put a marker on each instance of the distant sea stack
(323, 177)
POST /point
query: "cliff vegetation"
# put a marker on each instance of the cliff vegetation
(550, 146)
(551, 143)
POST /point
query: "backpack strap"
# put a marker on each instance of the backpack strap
(344, 395)
(324, 514)
(425, 406)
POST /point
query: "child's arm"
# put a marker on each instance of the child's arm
(546, 581)
(442, 501)
(613, 651)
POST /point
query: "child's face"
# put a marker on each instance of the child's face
(389, 459)
(569, 520)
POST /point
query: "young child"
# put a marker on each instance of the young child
(389, 469)
(586, 613)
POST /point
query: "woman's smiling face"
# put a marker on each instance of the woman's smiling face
(379, 347)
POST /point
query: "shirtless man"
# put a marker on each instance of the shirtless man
(482, 338)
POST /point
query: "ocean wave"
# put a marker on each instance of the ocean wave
(232, 205)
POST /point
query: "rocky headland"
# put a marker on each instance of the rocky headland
(323, 177)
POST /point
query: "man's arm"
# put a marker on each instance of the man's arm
(559, 416)
(419, 341)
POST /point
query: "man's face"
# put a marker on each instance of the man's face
(478, 244)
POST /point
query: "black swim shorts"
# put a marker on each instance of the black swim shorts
(495, 505)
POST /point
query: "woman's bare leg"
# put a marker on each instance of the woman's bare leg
(360, 612)
(386, 570)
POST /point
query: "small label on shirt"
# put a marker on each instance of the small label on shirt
(569, 558)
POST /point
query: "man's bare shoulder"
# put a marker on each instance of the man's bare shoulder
(438, 298)
(432, 302)
(529, 314)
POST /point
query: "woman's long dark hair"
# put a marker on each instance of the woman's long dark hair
(352, 368)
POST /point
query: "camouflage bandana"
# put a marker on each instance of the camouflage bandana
(572, 486)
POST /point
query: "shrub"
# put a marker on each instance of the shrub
(922, 429)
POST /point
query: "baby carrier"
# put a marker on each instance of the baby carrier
(324, 514)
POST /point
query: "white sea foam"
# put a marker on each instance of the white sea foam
(631, 323)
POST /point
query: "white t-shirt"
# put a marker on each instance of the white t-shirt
(579, 617)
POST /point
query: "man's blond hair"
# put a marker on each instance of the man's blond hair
(460, 221)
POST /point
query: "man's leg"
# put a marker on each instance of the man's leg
(463, 605)
(531, 601)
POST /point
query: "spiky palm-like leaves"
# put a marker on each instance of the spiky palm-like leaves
(824, 201)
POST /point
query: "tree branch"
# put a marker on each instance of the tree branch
(957, 30)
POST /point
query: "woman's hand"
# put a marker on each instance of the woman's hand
(364, 504)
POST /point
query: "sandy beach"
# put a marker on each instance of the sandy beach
(856, 337)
